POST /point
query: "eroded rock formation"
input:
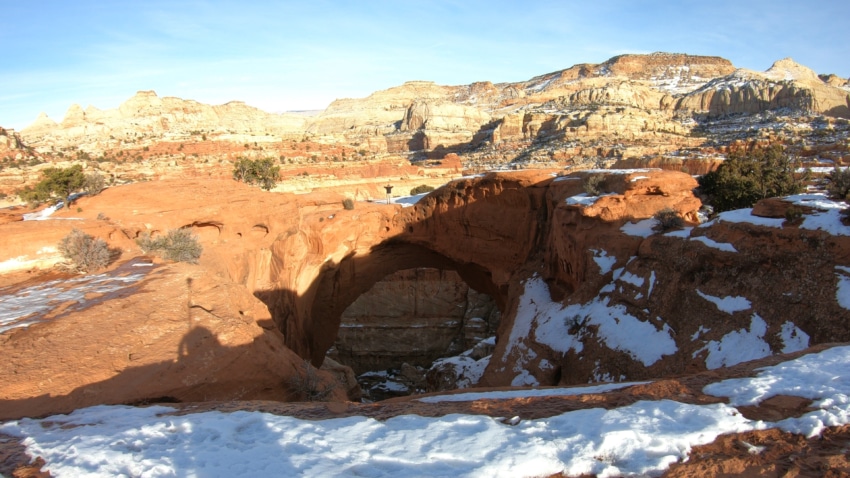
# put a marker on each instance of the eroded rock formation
(653, 103)
(557, 263)
(148, 115)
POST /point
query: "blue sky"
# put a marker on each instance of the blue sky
(290, 55)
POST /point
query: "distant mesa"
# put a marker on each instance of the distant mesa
(627, 108)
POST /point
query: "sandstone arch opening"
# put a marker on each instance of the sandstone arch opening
(393, 333)
(348, 291)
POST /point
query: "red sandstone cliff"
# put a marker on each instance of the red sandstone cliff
(278, 270)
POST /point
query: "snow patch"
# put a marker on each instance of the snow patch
(603, 260)
(407, 201)
(827, 217)
(793, 339)
(584, 199)
(699, 331)
(820, 376)
(566, 178)
(651, 283)
(827, 221)
(683, 233)
(729, 304)
(468, 371)
(533, 302)
(641, 439)
(815, 200)
(43, 214)
(29, 305)
(617, 329)
(511, 394)
(619, 171)
(842, 290)
(722, 246)
(737, 346)
(524, 379)
(640, 229)
(744, 215)
(632, 279)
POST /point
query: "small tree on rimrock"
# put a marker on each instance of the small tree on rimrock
(261, 172)
(57, 183)
(839, 183)
(746, 177)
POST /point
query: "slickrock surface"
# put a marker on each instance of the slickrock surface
(278, 270)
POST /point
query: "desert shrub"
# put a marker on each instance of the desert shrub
(178, 245)
(307, 385)
(667, 219)
(574, 323)
(94, 184)
(593, 184)
(150, 245)
(793, 214)
(839, 183)
(34, 196)
(85, 252)
(348, 203)
(422, 188)
(746, 177)
(260, 172)
(182, 246)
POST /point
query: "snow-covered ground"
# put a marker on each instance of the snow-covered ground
(44, 213)
(407, 201)
(826, 216)
(643, 438)
(45, 258)
(30, 305)
(525, 393)
(47, 212)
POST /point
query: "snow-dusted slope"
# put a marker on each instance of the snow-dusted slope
(643, 438)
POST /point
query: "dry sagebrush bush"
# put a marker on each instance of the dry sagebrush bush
(178, 245)
(85, 252)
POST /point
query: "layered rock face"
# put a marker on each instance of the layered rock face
(569, 273)
(9, 141)
(378, 112)
(785, 84)
(148, 115)
(414, 316)
(652, 102)
(662, 93)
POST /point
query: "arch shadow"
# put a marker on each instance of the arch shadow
(197, 373)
